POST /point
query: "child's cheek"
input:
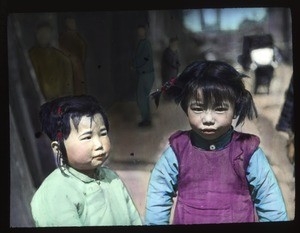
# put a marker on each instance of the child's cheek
(106, 145)
(79, 152)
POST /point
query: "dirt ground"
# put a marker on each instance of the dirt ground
(135, 150)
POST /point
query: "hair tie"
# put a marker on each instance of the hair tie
(156, 95)
(59, 110)
(168, 85)
(59, 136)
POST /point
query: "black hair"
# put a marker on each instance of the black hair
(218, 81)
(55, 117)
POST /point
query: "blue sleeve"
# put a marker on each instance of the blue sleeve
(266, 194)
(161, 190)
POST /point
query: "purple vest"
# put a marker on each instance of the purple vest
(212, 185)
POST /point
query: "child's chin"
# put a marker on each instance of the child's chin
(210, 136)
(97, 163)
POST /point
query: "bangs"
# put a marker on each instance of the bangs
(76, 118)
(212, 94)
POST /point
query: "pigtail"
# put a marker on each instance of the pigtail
(59, 124)
(174, 88)
(171, 88)
(59, 115)
(156, 96)
(51, 116)
(245, 107)
(45, 119)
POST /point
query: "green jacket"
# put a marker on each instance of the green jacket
(71, 198)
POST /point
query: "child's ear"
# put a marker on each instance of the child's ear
(55, 147)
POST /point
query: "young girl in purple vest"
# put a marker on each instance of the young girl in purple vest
(218, 175)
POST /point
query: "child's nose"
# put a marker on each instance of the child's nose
(208, 118)
(98, 144)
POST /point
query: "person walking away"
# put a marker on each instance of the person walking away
(143, 65)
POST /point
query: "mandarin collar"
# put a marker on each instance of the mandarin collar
(215, 144)
(84, 178)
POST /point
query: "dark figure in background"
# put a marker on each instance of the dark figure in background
(170, 61)
(286, 120)
(259, 56)
(143, 65)
(74, 46)
(52, 67)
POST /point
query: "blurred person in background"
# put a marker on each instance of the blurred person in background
(286, 120)
(143, 65)
(52, 67)
(170, 61)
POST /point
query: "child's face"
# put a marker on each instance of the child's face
(89, 146)
(210, 122)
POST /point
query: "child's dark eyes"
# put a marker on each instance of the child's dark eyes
(217, 109)
(88, 136)
(197, 109)
(221, 109)
(103, 133)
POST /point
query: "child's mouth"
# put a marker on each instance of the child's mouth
(208, 131)
(99, 157)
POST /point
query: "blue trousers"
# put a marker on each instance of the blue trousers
(145, 83)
